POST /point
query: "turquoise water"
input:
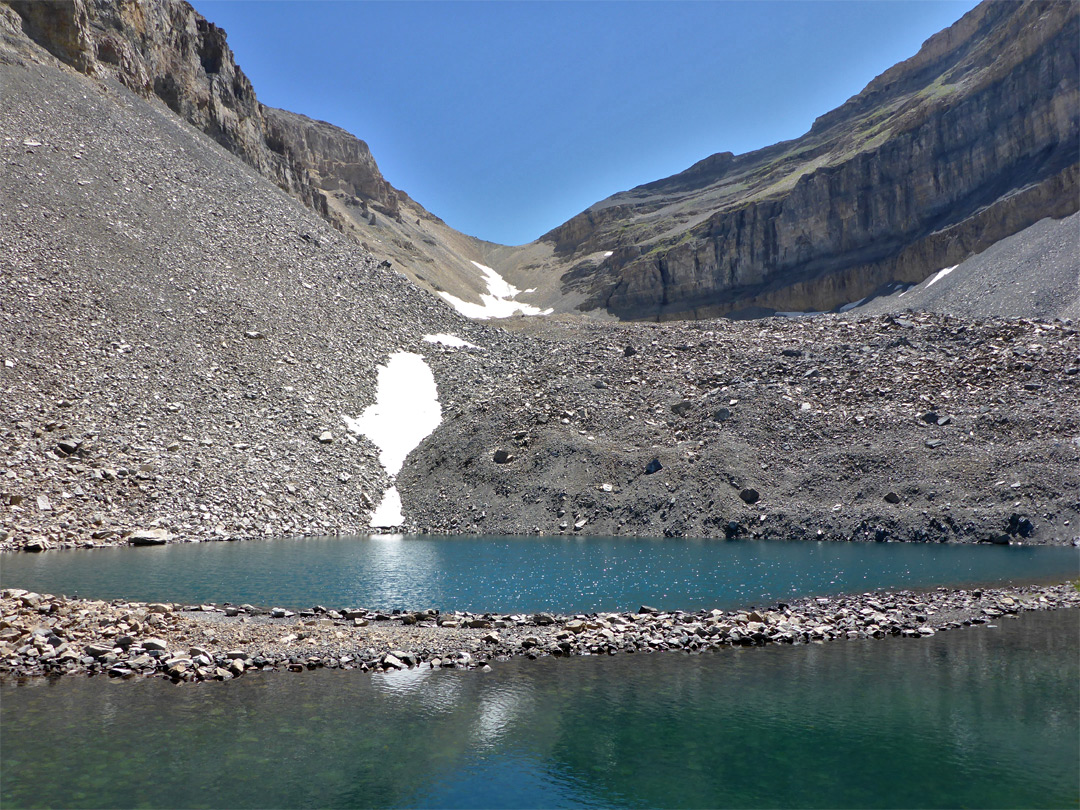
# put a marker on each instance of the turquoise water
(521, 574)
(981, 717)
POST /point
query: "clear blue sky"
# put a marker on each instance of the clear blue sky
(507, 118)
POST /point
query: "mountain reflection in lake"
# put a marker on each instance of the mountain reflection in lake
(984, 716)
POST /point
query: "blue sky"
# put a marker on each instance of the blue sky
(507, 118)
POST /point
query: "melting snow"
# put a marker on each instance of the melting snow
(498, 302)
(453, 341)
(388, 513)
(939, 275)
(406, 410)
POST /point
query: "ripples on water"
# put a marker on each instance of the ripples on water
(983, 717)
(564, 575)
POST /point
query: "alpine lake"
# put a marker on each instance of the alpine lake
(985, 716)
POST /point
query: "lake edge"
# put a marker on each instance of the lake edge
(199, 643)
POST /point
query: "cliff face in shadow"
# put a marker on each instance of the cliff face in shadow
(969, 141)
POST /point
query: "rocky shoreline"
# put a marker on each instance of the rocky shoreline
(47, 635)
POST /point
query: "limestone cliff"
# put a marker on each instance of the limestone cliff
(168, 50)
(165, 49)
(969, 141)
(333, 159)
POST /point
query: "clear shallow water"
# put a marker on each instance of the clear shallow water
(521, 574)
(980, 717)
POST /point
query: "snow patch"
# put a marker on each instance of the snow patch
(905, 287)
(608, 254)
(498, 302)
(497, 285)
(406, 410)
(453, 341)
(388, 513)
(851, 306)
(939, 275)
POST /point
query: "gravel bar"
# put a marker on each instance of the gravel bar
(47, 635)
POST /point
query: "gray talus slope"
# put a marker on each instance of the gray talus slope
(963, 423)
(185, 323)
(165, 50)
(1032, 274)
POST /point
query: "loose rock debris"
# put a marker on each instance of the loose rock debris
(42, 634)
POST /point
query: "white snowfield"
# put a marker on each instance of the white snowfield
(852, 305)
(498, 302)
(453, 341)
(406, 410)
(388, 513)
(939, 275)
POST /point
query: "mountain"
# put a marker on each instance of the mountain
(971, 140)
(181, 338)
(185, 338)
(168, 51)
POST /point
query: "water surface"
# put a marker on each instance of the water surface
(979, 717)
(508, 574)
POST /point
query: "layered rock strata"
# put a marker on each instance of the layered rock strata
(971, 140)
(166, 50)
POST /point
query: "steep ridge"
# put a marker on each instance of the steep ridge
(182, 341)
(167, 50)
(971, 140)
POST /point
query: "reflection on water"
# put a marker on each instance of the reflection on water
(500, 707)
(505, 574)
(986, 717)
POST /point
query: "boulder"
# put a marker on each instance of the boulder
(148, 537)
(750, 495)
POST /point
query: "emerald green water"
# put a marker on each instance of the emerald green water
(980, 717)
(522, 574)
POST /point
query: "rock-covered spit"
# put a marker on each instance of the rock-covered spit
(42, 634)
